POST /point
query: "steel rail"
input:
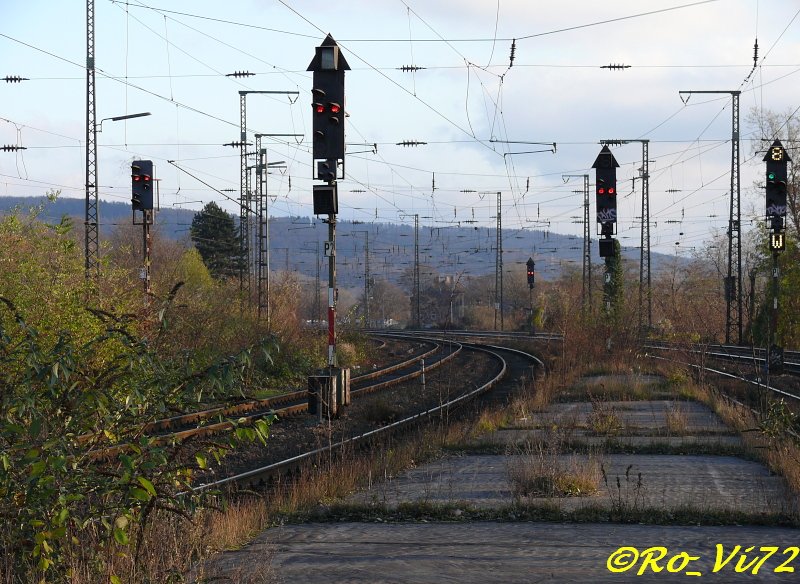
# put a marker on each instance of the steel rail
(738, 378)
(258, 473)
(289, 410)
(758, 383)
(194, 417)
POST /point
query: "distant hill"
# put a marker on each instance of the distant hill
(173, 223)
(450, 250)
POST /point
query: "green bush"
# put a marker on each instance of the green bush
(59, 410)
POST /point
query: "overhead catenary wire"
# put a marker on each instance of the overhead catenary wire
(510, 174)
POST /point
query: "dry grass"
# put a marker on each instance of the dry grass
(176, 546)
(676, 419)
(489, 421)
(781, 455)
(542, 472)
(603, 420)
(537, 394)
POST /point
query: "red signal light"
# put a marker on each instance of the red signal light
(136, 178)
(611, 190)
(601, 191)
(335, 108)
(146, 178)
(319, 108)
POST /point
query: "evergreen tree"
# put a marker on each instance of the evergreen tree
(216, 238)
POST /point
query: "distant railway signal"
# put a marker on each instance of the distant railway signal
(142, 185)
(531, 274)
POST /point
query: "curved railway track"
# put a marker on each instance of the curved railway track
(506, 362)
(460, 333)
(219, 419)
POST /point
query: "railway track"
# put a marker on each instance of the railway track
(736, 355)
(750, 359)
(755, 357)
(506, 362)
(463, 333)
(215, 420)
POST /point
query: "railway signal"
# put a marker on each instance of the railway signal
(142, 185)
(777, 178)
(606, 198)
(328, 117)
(531, 275)
(328, 105)
(776, 159)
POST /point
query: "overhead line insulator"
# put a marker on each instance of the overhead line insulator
(615, 66)
(240, 74)
(12, 148)
(409, 68)
(14, 79)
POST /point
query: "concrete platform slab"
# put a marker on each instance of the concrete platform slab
(515, 438)
(644, 415)
(629, 379)
(705, 482)
(502, 553)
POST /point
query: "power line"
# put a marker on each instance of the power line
(420, 40)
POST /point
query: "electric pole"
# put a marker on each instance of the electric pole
(366, 280)
(733, 281)
(366, 274)
(498, 265)
(262, 255)
(417, 315)
(586, 288)
(246, 196)
(530, 266)
(91, 221)
(262, 209)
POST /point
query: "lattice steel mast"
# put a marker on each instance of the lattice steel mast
(91, 221)
(417, 316)
(586, 287)
(733, 281)
(498, 265)
(644, 256)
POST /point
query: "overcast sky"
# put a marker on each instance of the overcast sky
(466, 102)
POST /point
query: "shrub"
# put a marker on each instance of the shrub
(57, 406)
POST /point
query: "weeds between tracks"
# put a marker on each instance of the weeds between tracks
(177, 544)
